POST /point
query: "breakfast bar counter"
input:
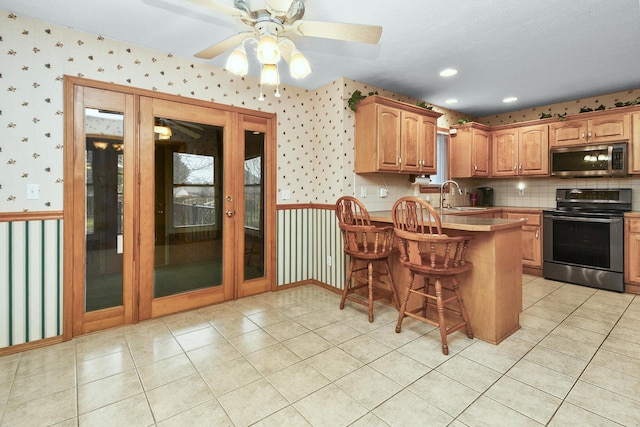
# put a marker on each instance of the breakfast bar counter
(492, 289)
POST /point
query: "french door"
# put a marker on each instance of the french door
(168, 206)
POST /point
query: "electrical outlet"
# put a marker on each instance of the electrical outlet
(329, 261)
(286, 194)
(521, 191)
(383, 192)
(363, 191)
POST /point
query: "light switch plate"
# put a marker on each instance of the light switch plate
(286, 194)
(33, 191)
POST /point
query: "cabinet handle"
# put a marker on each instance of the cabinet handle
(537, 234)
(583, 135)
(515, 168)
(520, 167)
(399, 160)
(475, 167)
(590, 134)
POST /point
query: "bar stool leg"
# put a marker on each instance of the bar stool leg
(394, 294)
(403, 307)
(370, 286)
(463, 311)
(441, 321)
(347, 284)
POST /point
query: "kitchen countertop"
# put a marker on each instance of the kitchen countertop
(462, 220)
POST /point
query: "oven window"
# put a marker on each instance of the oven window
(582, 243)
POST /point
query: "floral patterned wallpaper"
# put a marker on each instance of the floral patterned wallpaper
(35, 57)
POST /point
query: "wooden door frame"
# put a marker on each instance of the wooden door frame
(73, 268)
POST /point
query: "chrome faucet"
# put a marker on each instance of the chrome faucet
(442, 191)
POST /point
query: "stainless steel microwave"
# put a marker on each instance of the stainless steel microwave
(589, 160)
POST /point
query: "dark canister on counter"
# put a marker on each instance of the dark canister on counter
(485, 196)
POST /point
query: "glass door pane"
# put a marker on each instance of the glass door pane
(188, 200)
(104, 202)
(254, 165)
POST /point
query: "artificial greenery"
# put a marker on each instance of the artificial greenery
(424, 105)
(463, 121)
(561, 117)
(356, 97)
(546, 115)
(628, 103)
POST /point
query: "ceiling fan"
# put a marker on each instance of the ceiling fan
(187, 128)
(278, 18)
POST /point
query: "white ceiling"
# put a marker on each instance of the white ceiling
(542, 51)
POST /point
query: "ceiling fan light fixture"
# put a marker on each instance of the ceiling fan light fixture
(299, 65)
(268, 50)
(237, 62)
(269, 75)
(164, 132)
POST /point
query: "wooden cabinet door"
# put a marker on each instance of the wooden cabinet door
(632, 251)
(634, 146)
(572, 132)
(505, 152)
(427, 147)
(531, 237)
(609, 129)
(410, 142)
(388, 139)
(480, 153)
(531, 247)
(533, 150)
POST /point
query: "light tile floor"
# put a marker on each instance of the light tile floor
(292, 358)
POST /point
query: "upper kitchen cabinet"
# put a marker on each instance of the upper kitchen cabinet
(469, 151)
(520, 151)
(601, 128)
(392, 136)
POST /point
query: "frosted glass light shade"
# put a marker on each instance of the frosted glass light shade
(269, 75)
(268, 50)
(237, 62)
(299, 66)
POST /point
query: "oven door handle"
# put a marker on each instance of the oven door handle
(581, 219)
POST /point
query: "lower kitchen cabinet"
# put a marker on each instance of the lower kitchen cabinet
(632, 252)
(531, 238)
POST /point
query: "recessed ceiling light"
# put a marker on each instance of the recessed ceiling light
(509, 99)
(448, 72)
(451, 101)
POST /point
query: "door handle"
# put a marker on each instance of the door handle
(230, 213)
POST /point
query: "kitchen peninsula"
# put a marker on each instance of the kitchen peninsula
(492, 289)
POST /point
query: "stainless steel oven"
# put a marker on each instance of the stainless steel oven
(584, 237)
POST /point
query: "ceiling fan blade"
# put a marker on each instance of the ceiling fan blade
(188, 132)
(339, 31)
(278, 7)
(188, 124)
(218, 7)
(223, 46)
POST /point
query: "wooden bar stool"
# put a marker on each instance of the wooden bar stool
(438, 258)
(366, 243)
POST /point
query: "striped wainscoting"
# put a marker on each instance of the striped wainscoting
(30, 278)
(307, 238)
